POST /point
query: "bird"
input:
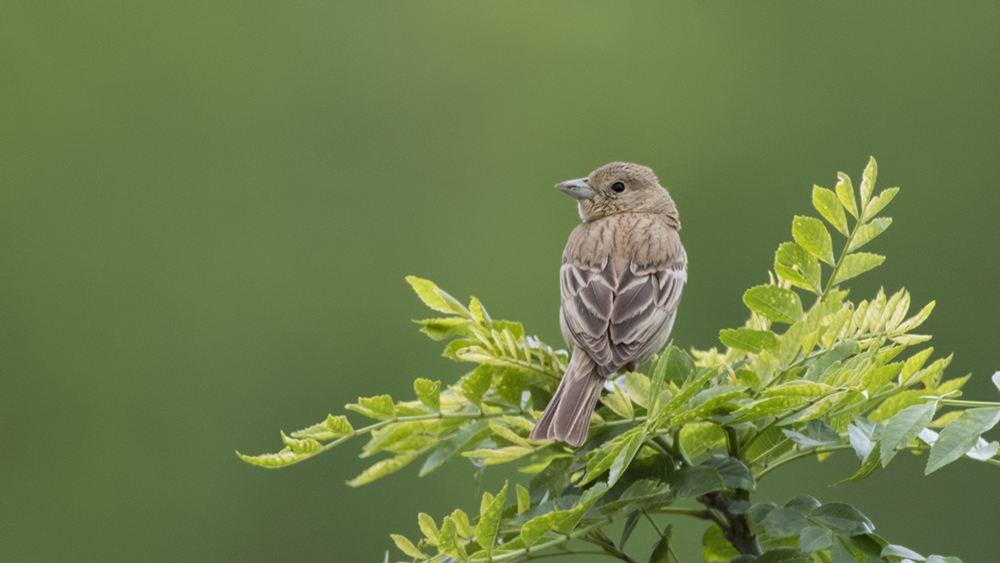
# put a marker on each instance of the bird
(620, 283)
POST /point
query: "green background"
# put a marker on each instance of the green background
(207, 211)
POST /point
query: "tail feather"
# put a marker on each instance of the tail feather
(567, 416)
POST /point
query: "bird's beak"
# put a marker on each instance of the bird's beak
(579, 189)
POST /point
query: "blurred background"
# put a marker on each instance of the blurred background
(207, 211)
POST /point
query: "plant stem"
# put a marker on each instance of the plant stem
(971, 404)
(792, 456)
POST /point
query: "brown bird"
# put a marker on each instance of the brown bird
(621, 278)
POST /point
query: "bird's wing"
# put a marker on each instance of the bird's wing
(619, 317)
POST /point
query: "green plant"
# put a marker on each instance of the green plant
(694, 436)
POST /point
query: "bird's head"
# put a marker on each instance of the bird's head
(620, 187)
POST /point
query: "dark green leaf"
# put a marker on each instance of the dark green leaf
(804, 504)
(871, 463)
(960, 436)
(904, 427)
(661, 551)
(782, 555)
(774, 303)
(695, 481)
(734, 473)
(862, 434)
(844, 518)
(630, 524)
(784, 522)
(552, 480)
(750, 340)
(465, 439)
(811, 234)
(900, 551)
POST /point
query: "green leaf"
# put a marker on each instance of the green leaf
(428, 527)
(489, 520)
(868, 182)
(508, 434)
(865, 233)
(814, 538)
(435, 298)
(811, 234)
(614, 457)
(863, 435)
(380, 407)
(501, 455)
(996, 380)
(799, 389)
(783, 554)
(825, 201)
(332, 427)
(382, 468)
(797, 265)
(904, 427)
(825, 365)
(523, 499)
(783, 522)
(960, 436)
(844, 518)
(630, 524)
(443, 329)
(511, 386)
(735, 474)
(900, 551)
(774, 303)
(694, 481)
(878, 203)
(449, 542)
(619, 403)
(750, 340)
(871, 463)
(407, 547)
(845, 193)
(476, 384)
(661, 551)
(467, 437)
(271, 461)
(715, 545)
(638, 388)
(699, 437)
(916, 320)
(771, 406)
(479, 313)
(678, 368)
(429, 393)
(856, 264)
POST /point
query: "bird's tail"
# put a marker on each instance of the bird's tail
(567, 417)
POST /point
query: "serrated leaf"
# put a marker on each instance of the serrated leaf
(699, 437)
(509, 435)
(878, 203)
(449, 542)
(429, 393)
(865, 233)
(382, 468)
(826, 202)
(904, 427)
(443, 329)
(489, 521)
(845, 193)
(379, 407)
(435, 298)
(771, 406)
(799, 389)
(332, 427)
(811, 234)
(797, 265)
(824, 366)
(467, 437)
(479, 313)
(750, 340)
(272, 461)
(476, 384)
(407, 547)
(960, 436)
(856, 264)
(868, 182)
(814, 538)
(774, 303)
(694, 481)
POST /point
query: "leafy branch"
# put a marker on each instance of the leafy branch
(698, 429)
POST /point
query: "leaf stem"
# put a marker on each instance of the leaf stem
(971, 404)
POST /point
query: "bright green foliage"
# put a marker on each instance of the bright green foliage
(809, 375)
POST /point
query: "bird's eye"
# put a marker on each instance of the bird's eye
(618, 187)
